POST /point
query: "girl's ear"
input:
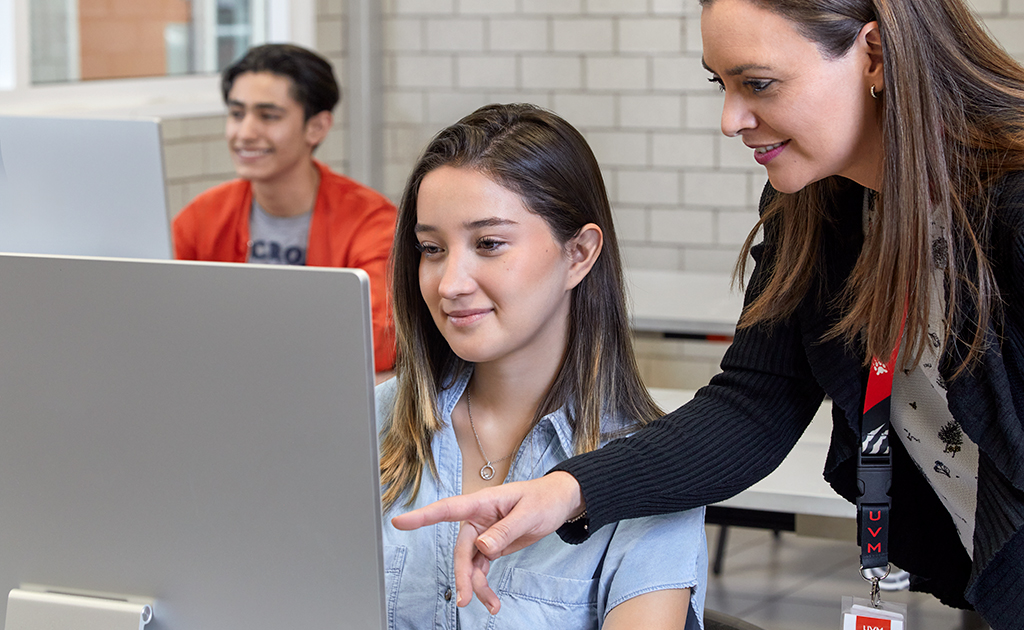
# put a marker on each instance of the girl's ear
(583, 250)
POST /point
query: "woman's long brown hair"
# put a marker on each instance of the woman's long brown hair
(952, 123)
(544, 160)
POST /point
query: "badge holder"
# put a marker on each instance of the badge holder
(861, 614)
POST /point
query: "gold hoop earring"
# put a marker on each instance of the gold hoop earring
(873, 95)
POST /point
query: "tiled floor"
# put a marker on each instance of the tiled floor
(797, 582)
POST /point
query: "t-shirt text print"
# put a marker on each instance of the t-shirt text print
(277, 240)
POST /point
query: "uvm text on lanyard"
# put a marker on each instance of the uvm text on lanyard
(874, 469)
(874, 477)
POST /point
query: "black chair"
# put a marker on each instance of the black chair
(714, 620)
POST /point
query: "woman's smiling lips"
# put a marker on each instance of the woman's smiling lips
(466, 317)
(766, 153)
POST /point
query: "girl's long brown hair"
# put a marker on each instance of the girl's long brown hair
(952, 122)
(544, 160)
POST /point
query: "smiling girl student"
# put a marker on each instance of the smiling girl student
(514, 353)
(892, 132)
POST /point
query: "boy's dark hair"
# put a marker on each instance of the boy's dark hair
(313, 83)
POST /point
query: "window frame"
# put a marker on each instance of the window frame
(288, 20)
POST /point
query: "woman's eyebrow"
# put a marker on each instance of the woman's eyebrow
(736, 70)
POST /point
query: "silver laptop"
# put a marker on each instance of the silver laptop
(200, 435)
(83, 187)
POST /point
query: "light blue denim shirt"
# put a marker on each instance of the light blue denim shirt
(550, 584)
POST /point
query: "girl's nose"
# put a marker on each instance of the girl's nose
(456, 276)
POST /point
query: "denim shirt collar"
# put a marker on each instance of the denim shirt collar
(555, 423)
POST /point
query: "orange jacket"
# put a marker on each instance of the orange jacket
(352, 226)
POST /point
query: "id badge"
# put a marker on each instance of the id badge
(859, 614)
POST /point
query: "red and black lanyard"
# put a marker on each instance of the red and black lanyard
(874, 466)
(874, 461)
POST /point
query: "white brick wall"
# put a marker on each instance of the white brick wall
(616, 69)
(459, 34)
(645, 187)
(490, 71)
(617, 7)
(442, 7)
(683, 149)
(487, 7)
(650, 35)
(571, 7)
(583, 35)
(619, 74)
(526, 34)
(549, 72)
(587, 110)
(625, 72)
(620, 148)
(720, 189)
(650, 111)
(420, 71)
(987, 7)
(1010, 32)
(683, 227)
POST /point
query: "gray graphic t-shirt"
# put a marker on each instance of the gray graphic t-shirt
(277, 240)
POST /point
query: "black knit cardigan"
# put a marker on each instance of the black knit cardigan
(739, 428)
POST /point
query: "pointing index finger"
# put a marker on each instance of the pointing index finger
(457, 508)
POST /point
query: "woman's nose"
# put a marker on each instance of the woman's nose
(737, 116)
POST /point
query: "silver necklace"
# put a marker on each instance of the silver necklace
(487, 471)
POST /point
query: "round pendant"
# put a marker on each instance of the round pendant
(487, 472)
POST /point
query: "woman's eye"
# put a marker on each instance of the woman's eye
(716, 80)
(758, 85)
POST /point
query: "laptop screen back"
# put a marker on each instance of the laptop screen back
(83, 187)
(197, 433)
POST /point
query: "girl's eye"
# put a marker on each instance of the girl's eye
(427, 249)
(758, 85)
(716, 80)
(489, 244)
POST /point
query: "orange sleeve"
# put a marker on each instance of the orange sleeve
(353, 226)
(184, 234)
(371, 246)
